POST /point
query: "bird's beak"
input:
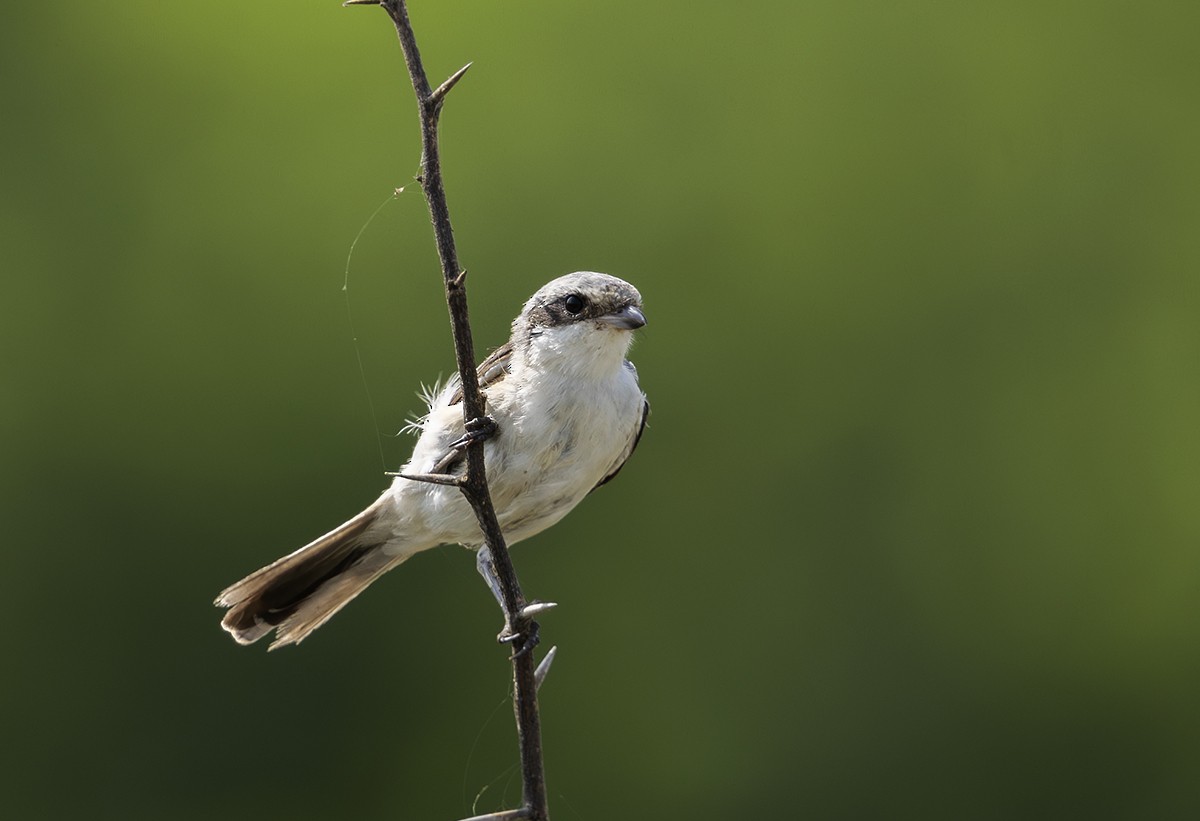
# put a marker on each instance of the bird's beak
(627, 319)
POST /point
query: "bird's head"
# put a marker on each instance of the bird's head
(580, 321)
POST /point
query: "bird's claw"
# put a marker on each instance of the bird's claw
(528, 637)
(479, 429)
(531, 632)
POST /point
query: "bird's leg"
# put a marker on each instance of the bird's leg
(486, 565)
(479, 429)
(526, 628)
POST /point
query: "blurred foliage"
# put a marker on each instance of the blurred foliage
(913, 533)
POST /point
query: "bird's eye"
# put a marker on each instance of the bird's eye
(574, 304)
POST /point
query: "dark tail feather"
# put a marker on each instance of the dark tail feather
(301, 591)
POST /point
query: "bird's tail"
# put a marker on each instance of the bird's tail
(298, 593)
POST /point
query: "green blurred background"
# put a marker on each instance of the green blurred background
(913, 533)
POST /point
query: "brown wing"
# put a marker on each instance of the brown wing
(632, 447)
(490, 370)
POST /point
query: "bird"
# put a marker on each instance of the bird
(567, 411)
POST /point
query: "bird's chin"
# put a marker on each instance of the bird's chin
(592, 350)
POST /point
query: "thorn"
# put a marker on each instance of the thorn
(503, 815)
(531, 610)
(361, 3)
(539, 675)
(441, 91)
(430, 478)
(458, 281)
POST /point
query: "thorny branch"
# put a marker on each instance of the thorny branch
(518, 614)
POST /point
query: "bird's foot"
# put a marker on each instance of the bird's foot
(479, 429)
(523, 638)
(529, 630)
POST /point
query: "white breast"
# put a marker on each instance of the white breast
(570, 437)
(565, 423)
